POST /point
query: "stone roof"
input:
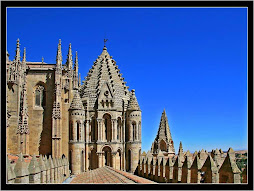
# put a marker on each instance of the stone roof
(196, 164)
(210, 164)
(104, 70)
(230, 161)
(133, 104)
(76, 102)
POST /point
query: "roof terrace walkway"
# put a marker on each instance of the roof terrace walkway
(108, 175)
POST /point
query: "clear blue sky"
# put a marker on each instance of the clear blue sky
(190, 61)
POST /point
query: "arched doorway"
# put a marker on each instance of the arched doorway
(107, 127)
(107, 156)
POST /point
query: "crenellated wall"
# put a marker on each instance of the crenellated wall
(190, 169)
(36, 169)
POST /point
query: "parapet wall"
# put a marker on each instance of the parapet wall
(202, 167)
(37, 170)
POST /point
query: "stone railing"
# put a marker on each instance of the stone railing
(38, 170)
(200, 168)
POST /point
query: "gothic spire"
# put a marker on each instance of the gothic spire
(69, 58)
(17, 57)
(24, 56)
(76, 63)
(164, 131)
(59, 55)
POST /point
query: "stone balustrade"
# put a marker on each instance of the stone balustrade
(198, 168)
(37, 170)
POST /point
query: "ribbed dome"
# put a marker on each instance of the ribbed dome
(104, 70)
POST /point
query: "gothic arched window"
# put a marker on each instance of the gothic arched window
(40, 96)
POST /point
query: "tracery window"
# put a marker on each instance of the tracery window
(40, 96)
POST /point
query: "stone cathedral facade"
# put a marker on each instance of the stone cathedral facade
(50, 112)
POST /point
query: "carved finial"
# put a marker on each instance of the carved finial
(42, 60)
(59, 55)
(69, 58)
(76, 63)
(17, 57)
(79, 79)
(105, 40)
(24, 55)
(180, 148)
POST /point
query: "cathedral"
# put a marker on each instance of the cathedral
(93, 124)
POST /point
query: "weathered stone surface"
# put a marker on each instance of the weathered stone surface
(21, 171)
(163, 141)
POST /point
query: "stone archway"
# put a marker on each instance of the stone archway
(107, 154)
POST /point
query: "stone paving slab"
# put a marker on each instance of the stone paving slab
(107, 175)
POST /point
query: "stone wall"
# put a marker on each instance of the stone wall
(36, 169)
(190, 169)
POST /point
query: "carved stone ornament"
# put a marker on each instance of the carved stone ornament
(56, 111)
(68, 74)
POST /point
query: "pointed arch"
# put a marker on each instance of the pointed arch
(40, 94)
(163, 145)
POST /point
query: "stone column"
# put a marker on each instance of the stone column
(114, 129)
(121, 132)
(87, 139)
(103, 128)
(81, 132)
(74, 131)
(123, 139)
(137, 131)
(114, 160)
(131, 132)
(100, 159)
(99, 121)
